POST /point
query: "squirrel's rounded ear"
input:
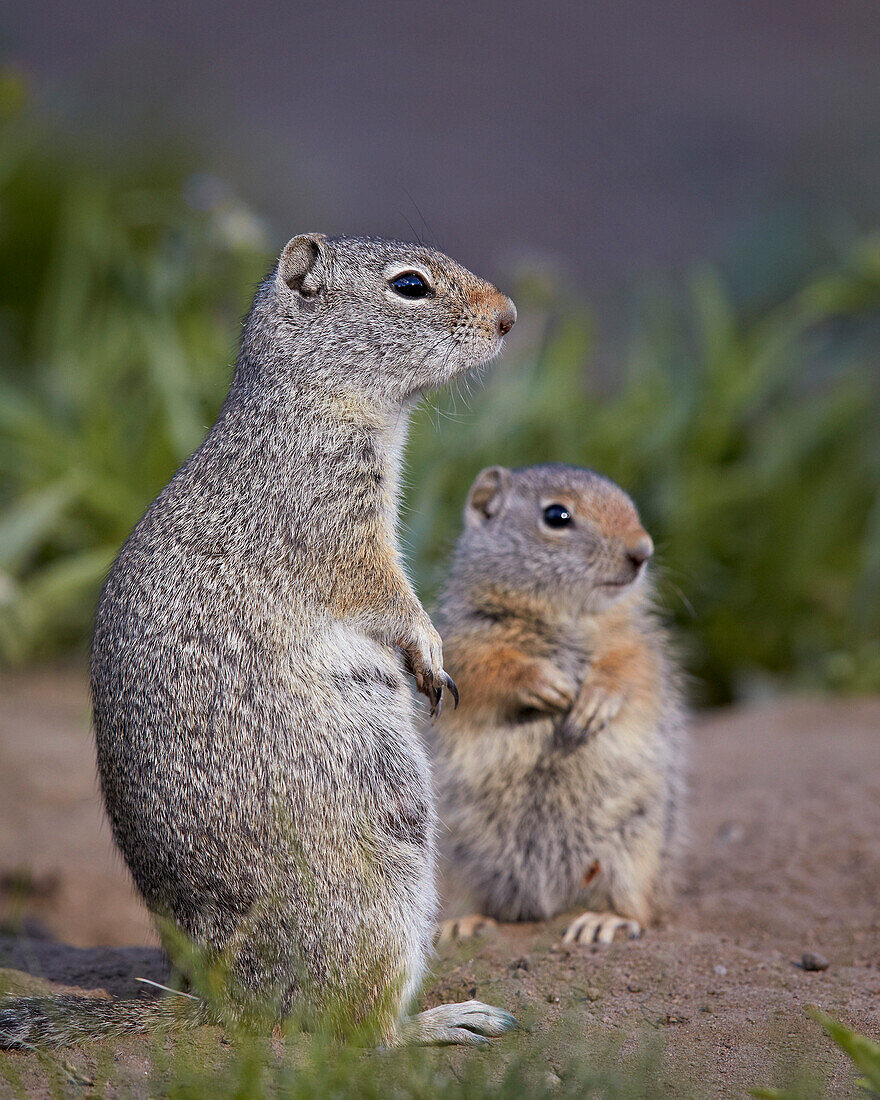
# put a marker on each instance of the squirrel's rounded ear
(487, 494)
(302, 264)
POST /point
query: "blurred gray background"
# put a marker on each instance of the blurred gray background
(608, 138)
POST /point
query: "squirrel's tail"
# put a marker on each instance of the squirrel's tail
(66, 1019)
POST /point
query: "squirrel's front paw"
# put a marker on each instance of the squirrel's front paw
(595, 706)
(423, 651)
(544, 687)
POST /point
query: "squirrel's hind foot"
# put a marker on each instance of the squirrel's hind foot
(600, 928)
(469, 1023)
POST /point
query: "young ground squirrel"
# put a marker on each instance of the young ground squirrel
(560, 777)
(257, 742)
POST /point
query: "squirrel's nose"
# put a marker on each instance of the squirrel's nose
(639, 551)
(505, 318)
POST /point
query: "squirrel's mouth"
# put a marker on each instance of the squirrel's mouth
(485, 355)
(619, 583)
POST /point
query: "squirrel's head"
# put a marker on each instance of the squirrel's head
(396, 319)
(556, 532)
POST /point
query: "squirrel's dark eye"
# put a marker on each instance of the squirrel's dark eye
(557, 515)
(410, 285)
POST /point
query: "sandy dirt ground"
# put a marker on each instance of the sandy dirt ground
(785, 858)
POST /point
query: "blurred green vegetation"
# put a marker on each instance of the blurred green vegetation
(207, 1066)
(748, 432)
(119, 300)
(750, 439)
(862, 1051)
(576, 1057)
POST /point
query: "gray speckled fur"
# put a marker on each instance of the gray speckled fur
(524, 813)
(257, 743)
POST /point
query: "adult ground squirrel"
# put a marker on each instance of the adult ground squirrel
(560, 778)
(257, 742)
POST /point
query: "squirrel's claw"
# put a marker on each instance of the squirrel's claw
(453, 690)
(443, 680)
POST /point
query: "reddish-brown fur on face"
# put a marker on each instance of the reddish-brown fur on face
(612, 512)
(486, 298)
(492, 307)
